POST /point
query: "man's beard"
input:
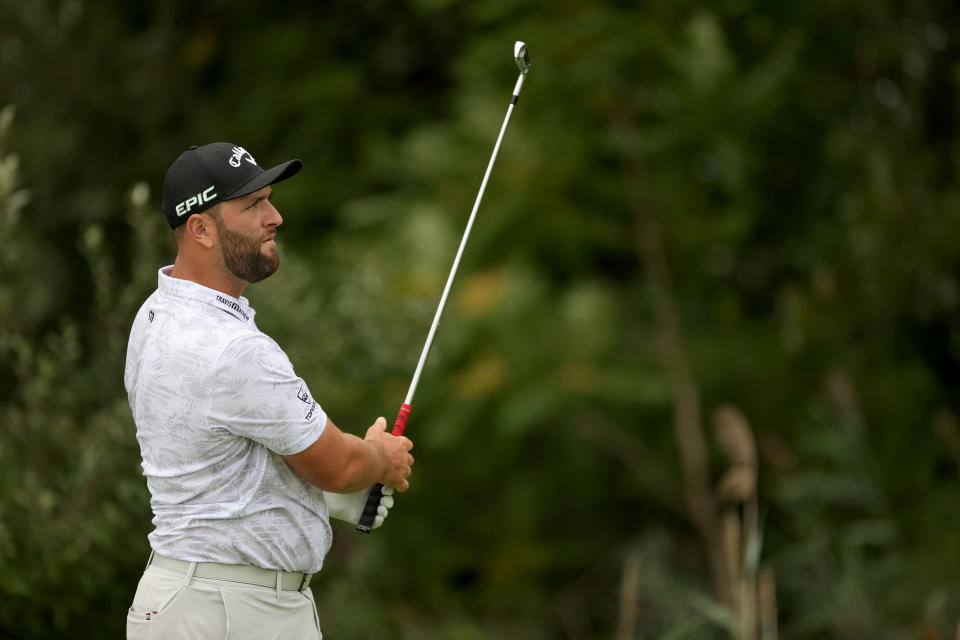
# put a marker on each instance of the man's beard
(242, 255)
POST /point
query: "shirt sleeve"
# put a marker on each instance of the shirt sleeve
(256, 394)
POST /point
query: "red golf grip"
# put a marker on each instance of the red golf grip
(401, 422)
(369, 514)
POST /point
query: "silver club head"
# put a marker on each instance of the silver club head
(522, 56)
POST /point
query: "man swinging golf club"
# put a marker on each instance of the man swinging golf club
(244, 467)
(236, 452)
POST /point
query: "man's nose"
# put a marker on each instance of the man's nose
(273, 218)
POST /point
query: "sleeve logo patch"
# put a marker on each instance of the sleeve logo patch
(305, 398)
(303, 395)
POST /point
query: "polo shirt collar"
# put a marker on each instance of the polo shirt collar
(239, 308)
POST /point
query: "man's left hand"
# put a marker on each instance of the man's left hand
(349, 506)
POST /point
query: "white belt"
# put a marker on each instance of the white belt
(246, 574)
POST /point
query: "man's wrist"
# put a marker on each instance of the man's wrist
(378, 459)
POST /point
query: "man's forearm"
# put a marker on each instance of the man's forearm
(339, 462)
(343, 463)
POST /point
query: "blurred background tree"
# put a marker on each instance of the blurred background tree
(697, 376)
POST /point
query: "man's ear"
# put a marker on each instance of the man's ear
(201, 229)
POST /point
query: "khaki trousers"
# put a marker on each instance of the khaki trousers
(171, 605)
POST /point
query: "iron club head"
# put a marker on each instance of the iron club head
(522, 56)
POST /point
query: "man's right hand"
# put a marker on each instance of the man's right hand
(395, 451)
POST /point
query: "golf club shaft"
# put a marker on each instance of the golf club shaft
(463, 244)
(373, 500)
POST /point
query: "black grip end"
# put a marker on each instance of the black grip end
(369, 514)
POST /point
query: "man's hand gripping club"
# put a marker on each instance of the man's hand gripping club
(396, 454)
(345, 467)
(349, 506)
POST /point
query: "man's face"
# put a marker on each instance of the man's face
(246, 228)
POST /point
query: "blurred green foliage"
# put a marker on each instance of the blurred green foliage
(798, 162)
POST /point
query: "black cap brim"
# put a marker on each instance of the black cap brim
(273, 175)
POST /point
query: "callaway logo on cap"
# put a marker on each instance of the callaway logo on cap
(204, 176)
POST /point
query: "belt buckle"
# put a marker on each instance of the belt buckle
(304, 578)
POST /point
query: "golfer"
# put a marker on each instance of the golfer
(243, 465)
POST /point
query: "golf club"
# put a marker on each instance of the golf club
(522, 58)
